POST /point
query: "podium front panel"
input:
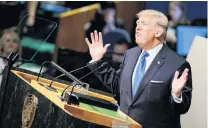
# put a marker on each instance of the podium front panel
(47, 115)
(28, 104)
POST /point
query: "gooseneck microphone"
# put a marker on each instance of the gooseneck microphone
(67, 74)
(62, 71)
(70, 72)
(71, 95)
(47, 87)
(42, 67)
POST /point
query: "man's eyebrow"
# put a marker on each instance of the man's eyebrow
(140, 22)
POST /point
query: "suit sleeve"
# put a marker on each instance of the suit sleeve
(184, 106)
(107, 75)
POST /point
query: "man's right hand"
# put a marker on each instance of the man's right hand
(96, 48)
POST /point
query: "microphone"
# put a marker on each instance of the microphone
(49, 88)
(70, 72)
(61, 70)
(73, 98)
(67, 74)
(41, 68)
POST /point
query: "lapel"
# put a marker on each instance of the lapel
(133, 61)
(155, 65)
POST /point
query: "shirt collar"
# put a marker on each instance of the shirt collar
(153, 52)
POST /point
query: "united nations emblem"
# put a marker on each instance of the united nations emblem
(29, 109)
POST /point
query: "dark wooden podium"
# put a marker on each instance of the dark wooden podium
(30, 105)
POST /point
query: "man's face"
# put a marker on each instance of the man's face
(120, 49)
(109, 15)
(144, 34)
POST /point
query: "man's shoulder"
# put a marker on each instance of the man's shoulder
(173, 55)
(134, 49)
(133, 52)
(174, 58)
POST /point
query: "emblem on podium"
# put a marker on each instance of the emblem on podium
(29, 110)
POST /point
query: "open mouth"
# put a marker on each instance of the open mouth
(138, 34)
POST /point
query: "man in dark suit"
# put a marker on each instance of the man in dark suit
(154, 83)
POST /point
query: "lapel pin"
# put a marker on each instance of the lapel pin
(158, 62)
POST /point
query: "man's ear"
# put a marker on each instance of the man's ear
(158, 32)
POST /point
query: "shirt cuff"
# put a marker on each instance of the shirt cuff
(92, 61)
(177, 99)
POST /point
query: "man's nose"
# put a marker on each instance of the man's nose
(138, 27)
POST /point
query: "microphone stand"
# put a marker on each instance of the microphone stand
(47, 87)
(50, 85)
(12, 58)
(73, 98)
(61, 70)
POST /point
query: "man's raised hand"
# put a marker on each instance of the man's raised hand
(97, 50)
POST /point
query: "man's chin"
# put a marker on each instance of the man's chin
(140, 44)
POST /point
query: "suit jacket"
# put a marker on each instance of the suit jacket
(153, 105)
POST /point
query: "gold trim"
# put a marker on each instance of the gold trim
(79, 10)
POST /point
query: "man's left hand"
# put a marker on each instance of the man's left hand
(179, 83)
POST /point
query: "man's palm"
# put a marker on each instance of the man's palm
(179, 83)
(96, 48)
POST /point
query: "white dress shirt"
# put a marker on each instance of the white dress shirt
(152, 53)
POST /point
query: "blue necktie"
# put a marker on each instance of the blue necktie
(139, 72)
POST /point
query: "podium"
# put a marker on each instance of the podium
(30, 105)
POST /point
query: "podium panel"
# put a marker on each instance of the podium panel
(30, 105)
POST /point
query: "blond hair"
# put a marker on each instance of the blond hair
(12, 33)
(160, 18)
